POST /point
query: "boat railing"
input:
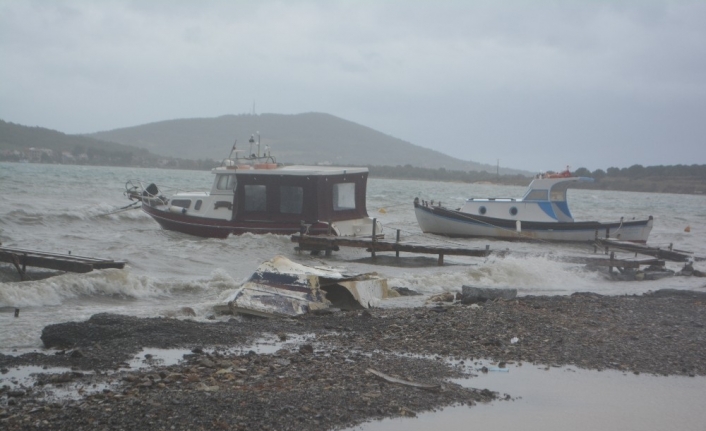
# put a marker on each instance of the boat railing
(491, 199)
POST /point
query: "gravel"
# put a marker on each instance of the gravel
(319, 379)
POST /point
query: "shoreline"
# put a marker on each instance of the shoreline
(321, 378)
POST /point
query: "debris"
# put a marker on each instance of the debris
(442, 297)
(472, 294)
(405, 291)
(391, 379)
(282, 288)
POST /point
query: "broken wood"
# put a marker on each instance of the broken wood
(395, 380)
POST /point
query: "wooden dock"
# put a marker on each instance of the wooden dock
(329, 244)
(22, 258)
(661, 253)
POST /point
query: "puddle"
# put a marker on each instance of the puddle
(560, 399)
(25, 377)
(74, 386)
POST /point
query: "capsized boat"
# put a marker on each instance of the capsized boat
(282, 288)
(258, 195)
(542, 214)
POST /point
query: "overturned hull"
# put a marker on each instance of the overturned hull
(282, 288)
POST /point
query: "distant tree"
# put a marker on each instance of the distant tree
(613, 172)
(636, 171)
(582, 172)
(78, 150)
(598, 174)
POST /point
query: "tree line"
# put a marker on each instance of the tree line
(690, 179)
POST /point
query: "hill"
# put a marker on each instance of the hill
(302, 138)
(15, 138)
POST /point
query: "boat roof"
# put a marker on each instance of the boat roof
(290, 170)
(548, 183)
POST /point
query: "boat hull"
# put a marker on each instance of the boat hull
(443, 221)
(215, 228)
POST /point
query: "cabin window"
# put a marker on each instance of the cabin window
(343, 196)
(291, 199)
(255, 198)
(536, 195)
(482, 210)
(226, 182)
(183, 203)
(198, 205)
(513, 211)
(558, 195)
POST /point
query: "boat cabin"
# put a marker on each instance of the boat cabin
(291, 192)
(258, 195)
(545, 200)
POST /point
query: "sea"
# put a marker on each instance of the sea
(80, 210)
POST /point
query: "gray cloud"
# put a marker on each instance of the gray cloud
(538, 85)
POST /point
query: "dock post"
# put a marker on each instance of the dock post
(372, 244)
(607, 233)
(22, 270)
(397, 241)
(441, 259)
(610, 267)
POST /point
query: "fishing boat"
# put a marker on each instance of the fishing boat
(256, 194)
(541, 214)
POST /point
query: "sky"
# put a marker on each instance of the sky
(536, 85)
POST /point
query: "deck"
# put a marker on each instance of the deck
(22, 258)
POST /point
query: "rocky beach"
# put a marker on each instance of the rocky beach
(337, 370)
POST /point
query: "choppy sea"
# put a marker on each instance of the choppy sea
(62, 208)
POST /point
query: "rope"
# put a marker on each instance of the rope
(132, 206)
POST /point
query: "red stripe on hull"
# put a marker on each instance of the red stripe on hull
(210, 228)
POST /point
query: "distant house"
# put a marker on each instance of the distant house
(67, 157)
(35, 155)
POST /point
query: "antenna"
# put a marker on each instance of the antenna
(258, 144)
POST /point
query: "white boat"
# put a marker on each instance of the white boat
(282, 288)
(541, 214)
(256, 194)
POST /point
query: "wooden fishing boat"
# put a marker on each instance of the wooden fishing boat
(258, 195)
(542, 214)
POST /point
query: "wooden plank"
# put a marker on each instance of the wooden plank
(647, 250)
(382, 245)
(47, 262)
(55, 261)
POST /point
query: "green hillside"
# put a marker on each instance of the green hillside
(302, 138)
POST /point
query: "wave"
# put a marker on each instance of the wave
(33, 216)
(529, 275)
(110, 283)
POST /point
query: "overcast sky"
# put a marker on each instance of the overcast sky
(537, 85)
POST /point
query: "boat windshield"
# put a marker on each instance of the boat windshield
(536, 195)
(558, 192)
(226, 182)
